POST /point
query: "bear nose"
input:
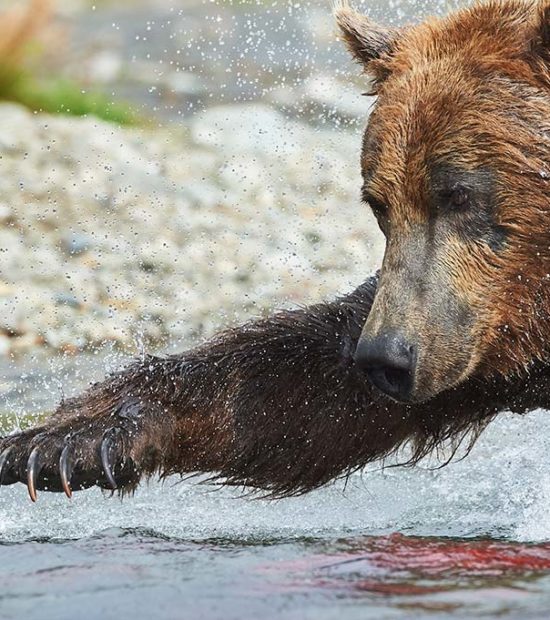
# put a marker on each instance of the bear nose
(389, 362)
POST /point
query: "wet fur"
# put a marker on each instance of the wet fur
(278, 404)
(471, 94)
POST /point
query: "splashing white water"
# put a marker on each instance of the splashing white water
(502, 489)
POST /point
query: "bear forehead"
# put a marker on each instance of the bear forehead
(491, 31)
(422, 122)
(445, 112)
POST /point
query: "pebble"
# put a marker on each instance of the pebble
(5, 212)
(156, 236)
(76, 244)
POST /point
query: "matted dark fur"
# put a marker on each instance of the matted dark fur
(279, 404)
(276, 404)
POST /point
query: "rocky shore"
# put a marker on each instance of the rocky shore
(150, 236)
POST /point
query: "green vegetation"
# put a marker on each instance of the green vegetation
(61, 96)
(9, 421)
(26, 34)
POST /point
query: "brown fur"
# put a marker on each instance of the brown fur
(280, 404)
(471, 91)
(277, 404)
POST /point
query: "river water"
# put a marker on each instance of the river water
(470, 540)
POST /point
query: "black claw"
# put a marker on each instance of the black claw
(33, 469)
(66, 470)
(3, 460)
(107, 461)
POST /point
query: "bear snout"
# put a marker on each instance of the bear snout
(389, 361)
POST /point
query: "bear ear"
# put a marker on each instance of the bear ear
(366, 40)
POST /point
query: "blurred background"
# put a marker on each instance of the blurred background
(169, 167)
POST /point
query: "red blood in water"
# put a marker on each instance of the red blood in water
(392, 564)
(433, 556)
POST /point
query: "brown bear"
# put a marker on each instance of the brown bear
(456, 167)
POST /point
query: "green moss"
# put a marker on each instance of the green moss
(61, 96)
(9, 421)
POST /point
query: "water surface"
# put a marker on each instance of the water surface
(465, 541)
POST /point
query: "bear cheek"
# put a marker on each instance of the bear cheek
(446, 358)
(452, 322)
(470, 319)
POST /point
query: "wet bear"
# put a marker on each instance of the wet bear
(456, 168)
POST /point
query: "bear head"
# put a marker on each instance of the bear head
(456, 168)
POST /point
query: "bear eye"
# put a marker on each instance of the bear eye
(377, 206)
(459, 198)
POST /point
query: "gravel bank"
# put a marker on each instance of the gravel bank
(144, 237)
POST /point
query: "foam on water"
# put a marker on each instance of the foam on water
(502, 489)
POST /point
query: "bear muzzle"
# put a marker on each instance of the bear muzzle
(389, 361)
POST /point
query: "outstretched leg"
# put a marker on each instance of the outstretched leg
(201, 411)
(277, 404)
